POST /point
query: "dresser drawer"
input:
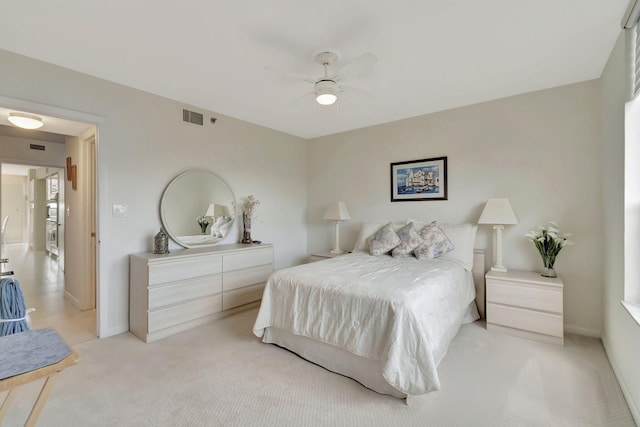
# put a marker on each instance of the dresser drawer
(242, 296)
(521, 295)
(180, 269)
(250, 258)
(248, 276)
(160, 296)
(176, 314)
(527, 320)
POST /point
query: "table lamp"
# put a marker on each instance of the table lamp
(498, 212)
(337, 212)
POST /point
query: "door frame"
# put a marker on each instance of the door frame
(98, 199)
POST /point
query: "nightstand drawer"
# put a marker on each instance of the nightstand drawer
(519, 295)
(527, 320)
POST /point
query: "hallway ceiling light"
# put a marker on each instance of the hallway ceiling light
(25, 121)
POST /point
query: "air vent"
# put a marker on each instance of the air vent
(36, 147)
(192, 117)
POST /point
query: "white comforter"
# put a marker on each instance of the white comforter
(399, 312)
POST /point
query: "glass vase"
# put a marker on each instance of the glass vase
(246, 233)
(548, 270)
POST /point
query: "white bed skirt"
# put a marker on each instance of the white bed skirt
(365, 371)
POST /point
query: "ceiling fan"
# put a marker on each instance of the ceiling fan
(329, 87)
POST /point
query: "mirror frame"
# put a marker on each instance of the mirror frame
(163, 207)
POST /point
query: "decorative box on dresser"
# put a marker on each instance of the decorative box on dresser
(525, 304)
(173, 292)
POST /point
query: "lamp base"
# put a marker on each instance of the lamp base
(336, 251)
(499, 268)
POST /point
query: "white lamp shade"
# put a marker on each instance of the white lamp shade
(211, 210)
(337, 212)
(498, 211)
(215, 210)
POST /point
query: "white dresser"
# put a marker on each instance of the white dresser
(173, 292)
(526, 304)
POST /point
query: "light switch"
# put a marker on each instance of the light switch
(121, 211)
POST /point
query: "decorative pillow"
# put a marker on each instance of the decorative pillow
(367, 230)
(435, 242)
(409, 240)
(384, 240)
(463, 238)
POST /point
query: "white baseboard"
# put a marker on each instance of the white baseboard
(75, 301)
(582, 331)
(117, 330)
(635, 413)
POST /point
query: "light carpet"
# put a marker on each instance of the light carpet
(219, 374)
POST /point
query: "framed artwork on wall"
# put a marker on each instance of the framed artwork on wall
(74, 177)
(419, 180)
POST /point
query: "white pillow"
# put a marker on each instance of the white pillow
(463, 238)
(367, 230)
(384, 240)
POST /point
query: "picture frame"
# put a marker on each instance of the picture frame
(74, 177)
(68, 168)
(419, 180)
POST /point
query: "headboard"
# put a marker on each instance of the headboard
(478, 273)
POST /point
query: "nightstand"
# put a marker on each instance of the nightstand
(525, 304)
(319, 256)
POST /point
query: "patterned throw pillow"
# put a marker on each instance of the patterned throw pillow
(384, 240)
(409, 240)
(435, 242)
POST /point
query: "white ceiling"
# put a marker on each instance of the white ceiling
(432, 54)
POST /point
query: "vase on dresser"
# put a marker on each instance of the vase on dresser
(548, 270)
(246, 233)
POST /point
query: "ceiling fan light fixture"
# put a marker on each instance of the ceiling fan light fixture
(25, 121)
(326, 98)
(326, 92)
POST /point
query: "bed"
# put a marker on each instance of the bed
(382, 320)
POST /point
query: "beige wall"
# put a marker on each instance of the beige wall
(142, 145)
(13, 204)
(621, 335)
(541, 150)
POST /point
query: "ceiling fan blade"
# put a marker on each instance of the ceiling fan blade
(306, 99)
(288, 74)
(358, 95)
(357, 67)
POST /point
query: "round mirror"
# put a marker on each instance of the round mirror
(197, 209)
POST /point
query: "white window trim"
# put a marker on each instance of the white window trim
(633, 310)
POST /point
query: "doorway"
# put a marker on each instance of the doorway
(42, 253)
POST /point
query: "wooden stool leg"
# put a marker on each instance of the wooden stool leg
(5, 405)
(42, 399)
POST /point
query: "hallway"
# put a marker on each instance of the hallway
(42, 283)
